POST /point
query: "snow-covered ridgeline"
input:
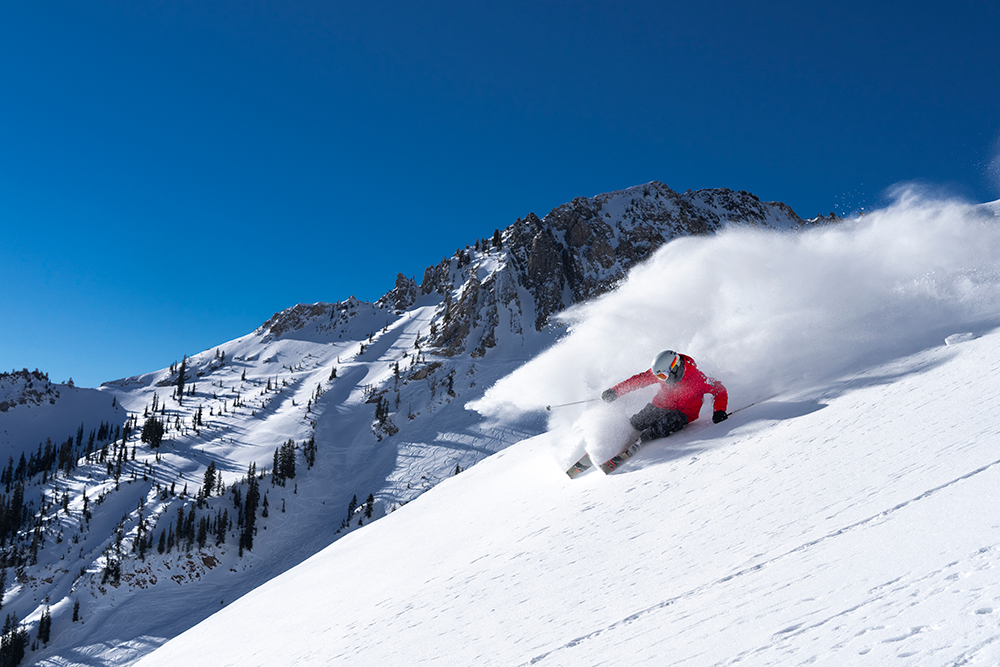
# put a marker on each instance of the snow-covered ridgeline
(33, 409)
(847, 520)
(378, 389)
(758, 309)
(580, 250)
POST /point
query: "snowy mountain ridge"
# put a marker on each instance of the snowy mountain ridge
(329, 416)
(846, 518)
(332, 415)
(537, 268)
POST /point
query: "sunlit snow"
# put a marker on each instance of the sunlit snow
(847, 520)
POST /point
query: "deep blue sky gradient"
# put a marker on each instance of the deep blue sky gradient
(172, 173)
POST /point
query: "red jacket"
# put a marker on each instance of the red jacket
(686, 396)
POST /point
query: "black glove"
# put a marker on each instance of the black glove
(609, 396)
(719, 416)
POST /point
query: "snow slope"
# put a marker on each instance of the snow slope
(851, 524)
(848, 520)
(111, 528)
(265, 391)
(35, 409)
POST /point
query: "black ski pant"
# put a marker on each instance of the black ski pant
(654, 422)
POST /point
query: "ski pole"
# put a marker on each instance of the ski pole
(563, 405)
(759, 400)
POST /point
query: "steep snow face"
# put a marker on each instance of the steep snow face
(381, 391)
(847, 518)
(849, 521)
(348, 390)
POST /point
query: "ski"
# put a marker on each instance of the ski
(608, 466)
(580, 466)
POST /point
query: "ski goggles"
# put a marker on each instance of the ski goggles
(673, 368)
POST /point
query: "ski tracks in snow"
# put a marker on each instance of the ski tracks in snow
(877, 594)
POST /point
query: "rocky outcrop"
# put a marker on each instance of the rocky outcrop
(294, 318)
(583, 248)
(25, 388)
(403, 295)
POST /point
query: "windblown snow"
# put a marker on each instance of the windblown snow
(847, 520)
(769, 311)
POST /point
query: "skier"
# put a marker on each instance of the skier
(682, 388)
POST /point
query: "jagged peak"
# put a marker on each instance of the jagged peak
(578, 250)
(403, 295)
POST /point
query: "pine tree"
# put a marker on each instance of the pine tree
(222, 525)
(45, 626)
(180, 380)
(202, 532)
(287, 460)
(250, 510)
(310, 452)
(351, 506)
(152, 432)
(189, 527)
(13, 643)
(209, 483)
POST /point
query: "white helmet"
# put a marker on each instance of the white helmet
(668, 366)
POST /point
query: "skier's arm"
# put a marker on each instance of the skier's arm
(637, 381)
(718, 390)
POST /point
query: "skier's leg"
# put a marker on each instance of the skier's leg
(654, 422)
(649, 423)
(646, 417)
(672, 421)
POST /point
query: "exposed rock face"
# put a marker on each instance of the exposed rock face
(25, 388)
(324, 317)
(546, 274)
(294, 318)
(404, 294)
(578, 251)
(437, 278)
(583, 248)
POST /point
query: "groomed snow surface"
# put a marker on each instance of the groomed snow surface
(851, 519)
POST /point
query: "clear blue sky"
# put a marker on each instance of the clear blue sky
(174, 172)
